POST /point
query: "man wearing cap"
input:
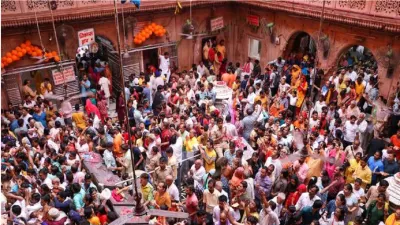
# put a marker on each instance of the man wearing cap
(57, 217)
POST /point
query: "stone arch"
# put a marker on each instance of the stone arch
(346, 47)
(386, 84)
(295, 39)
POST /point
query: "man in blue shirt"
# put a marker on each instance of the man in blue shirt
(391, 167)
(85, 87)
(14, 122)
(376, 165)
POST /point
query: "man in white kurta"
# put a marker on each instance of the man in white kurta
(164, 65)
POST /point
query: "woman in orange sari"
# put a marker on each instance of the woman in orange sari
(238, 177)
(301, 86)
(217, 63)
(276, 108)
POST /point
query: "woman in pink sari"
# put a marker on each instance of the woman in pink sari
(231, 104)
(90, 108)
(336, 155)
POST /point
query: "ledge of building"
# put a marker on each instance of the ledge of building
(335, 15)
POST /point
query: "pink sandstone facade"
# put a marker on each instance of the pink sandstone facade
(373, 24)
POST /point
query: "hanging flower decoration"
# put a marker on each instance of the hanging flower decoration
(147, 31)
(27, 48)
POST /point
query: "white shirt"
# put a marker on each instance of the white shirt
(81, 148)
(177, 147)
(164, 63)
(54, 132)
(222, 192)
(277, 164)
(314, 123)
(53, 145)
(230, 129)
(352, 76)
(26, 119)
(96, 122)
(269, 217)
(198, 174)
(271, 79)
(33, 208)
(23, 209)
(350, 131)
(279, 207)
(105, 86)
(292, 100)
(173, 192)
(30, 105)
(251, 97)
(201, 70)
(305, 201)
(158, 81)
(358, 193)
(283, 87)
(217, 213)
(318, 106)
(362, 127)
(250, 187)
(48, 182)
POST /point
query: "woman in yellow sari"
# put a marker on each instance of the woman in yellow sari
(353, 164)
(301, 86)
(359, 87)
(316, 164)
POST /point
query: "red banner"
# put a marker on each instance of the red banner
(253, 20)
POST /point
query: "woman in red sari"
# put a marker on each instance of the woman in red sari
(90, 108)
(294, 196)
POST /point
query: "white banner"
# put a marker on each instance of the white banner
(86, 37)
(69, 75)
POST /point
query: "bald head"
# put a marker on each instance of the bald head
(169, 179)
(198, 163)
(218, 186)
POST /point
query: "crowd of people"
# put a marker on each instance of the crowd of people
(292, 145)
